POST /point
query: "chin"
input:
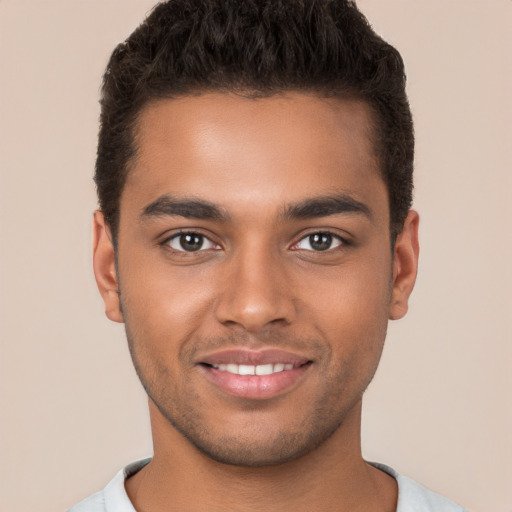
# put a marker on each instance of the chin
(254, 454)
(255, 444)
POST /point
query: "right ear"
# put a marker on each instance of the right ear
(104, 263)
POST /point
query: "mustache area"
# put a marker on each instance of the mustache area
(308, 348)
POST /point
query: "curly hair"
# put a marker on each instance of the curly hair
(255, 48)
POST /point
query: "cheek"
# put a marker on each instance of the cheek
(350, 309)
(163, 304)
(352, 296)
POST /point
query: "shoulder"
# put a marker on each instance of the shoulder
(94, 503)
(113, 498)
(414, 496)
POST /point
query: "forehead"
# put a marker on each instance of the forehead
(224, 147)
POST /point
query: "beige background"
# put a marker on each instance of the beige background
(72, 410)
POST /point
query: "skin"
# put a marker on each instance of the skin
(257, 282)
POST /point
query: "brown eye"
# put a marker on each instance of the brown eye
(319, 242)
(190, 242)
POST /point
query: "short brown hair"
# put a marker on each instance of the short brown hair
(257, 48)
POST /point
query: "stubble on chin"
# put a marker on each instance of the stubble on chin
(253, 444)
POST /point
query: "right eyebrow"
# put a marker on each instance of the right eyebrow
(324, 206)
(189, 208)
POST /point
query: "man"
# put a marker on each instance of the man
(254, 175)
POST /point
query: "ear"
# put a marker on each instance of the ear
(105, 268)
(405, 266)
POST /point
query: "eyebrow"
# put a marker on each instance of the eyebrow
(189, 208)
(326, 205)
(312, 208)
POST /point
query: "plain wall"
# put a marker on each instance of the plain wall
(72, 410)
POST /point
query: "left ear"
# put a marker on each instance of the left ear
(405, 266)
(104, 259)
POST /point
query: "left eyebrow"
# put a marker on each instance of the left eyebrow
(326, 205)
(189, 208)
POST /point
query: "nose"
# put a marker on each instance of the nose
(255, 292)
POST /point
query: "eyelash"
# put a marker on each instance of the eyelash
(342, 241)
(176, 236)
(167, 242)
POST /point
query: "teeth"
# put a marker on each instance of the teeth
(264, 369)
(231, 368)
(245, 369)
(248, 369)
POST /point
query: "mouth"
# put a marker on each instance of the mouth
(249, 369)
(255, 375)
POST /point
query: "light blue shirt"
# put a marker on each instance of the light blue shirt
(412, 496)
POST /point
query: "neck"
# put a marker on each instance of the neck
(333, 476)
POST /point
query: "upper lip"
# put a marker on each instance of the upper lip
(252, 357)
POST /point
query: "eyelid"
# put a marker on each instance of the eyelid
(216, 246)
(342, 241)
(167, 241)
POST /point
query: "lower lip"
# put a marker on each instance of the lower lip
(256, 387)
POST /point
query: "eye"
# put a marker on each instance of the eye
(319, 242)
(190, 242)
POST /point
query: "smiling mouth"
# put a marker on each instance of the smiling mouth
(256, 376)
(261, 369)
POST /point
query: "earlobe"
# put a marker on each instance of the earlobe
(105, 268)
(405, 266)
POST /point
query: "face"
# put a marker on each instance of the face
(255, 270)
